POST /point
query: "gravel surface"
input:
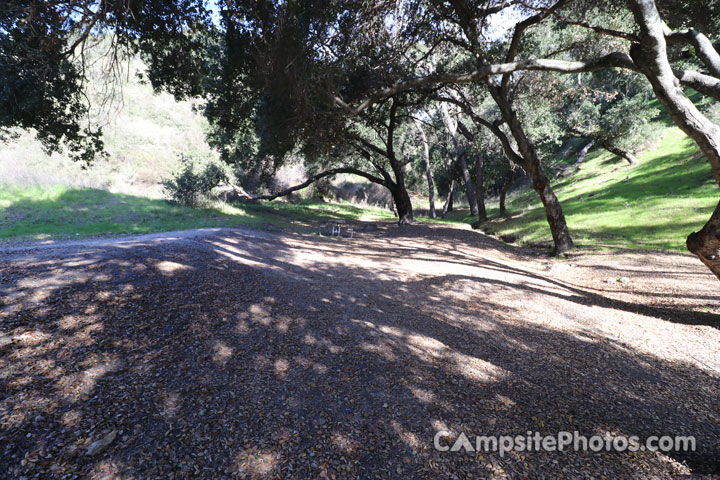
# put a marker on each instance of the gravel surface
(224, 353)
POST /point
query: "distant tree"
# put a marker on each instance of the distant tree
(298, 71)
(427, 166)
(451, 125)
(610, 109)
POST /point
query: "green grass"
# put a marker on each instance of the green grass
(65, 212)
(610, 205)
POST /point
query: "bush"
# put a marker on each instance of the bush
(191, 188)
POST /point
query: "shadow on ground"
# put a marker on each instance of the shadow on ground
(255, 356)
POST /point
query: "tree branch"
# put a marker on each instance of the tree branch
(703, 48)
(584, 24)
(517, 36)
(613, 60)
(315, 178)
(369, 145)
(512, 155)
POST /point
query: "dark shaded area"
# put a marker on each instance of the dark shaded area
(238, 360)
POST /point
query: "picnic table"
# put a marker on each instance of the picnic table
(336, 227)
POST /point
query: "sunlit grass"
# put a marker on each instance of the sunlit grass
(610, 205)
(41, 212)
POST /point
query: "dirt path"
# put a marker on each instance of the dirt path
(223, 353)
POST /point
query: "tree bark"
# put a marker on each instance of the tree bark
(583, 153)
(553, 211)
(403, 204)
(314, 179)
(428, 170)
(531, 162)
(706, 243)
(650, 55)
(480, 188)
(629, 157)
(460, 152)
(400, 195)
(503, 192)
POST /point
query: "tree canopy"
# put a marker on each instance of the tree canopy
(339, 81)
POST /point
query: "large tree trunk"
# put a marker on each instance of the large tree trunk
(428, 170)
(706, 243)
(531, 162)
(403, 204)
(480, 188)
(629, 157)
(460, 152)
(650, 55)
(554, 213)
(503, 192)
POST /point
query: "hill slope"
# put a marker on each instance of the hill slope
(609, 204)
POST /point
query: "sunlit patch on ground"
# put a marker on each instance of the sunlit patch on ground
(298, 357)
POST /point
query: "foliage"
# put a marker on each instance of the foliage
(610, 108)
(40, 87)
(42, 60)
(144, 134)
(192, 188)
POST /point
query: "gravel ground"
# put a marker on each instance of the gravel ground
(238, 354)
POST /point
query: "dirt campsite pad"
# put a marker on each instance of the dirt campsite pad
(239, 354)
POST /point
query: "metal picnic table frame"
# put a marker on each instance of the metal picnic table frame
(337, 228)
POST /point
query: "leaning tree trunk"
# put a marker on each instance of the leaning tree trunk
(583, 153)
(401, 197)
(503, 192)
(650, 55)
(531, 162)
(428, 170)
(629, 157)
(553, 212)
(480, 188)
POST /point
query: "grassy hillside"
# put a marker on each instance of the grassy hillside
(144, 135)
(609, 204)
(57, 212)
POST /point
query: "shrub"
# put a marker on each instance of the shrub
(191, 188)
